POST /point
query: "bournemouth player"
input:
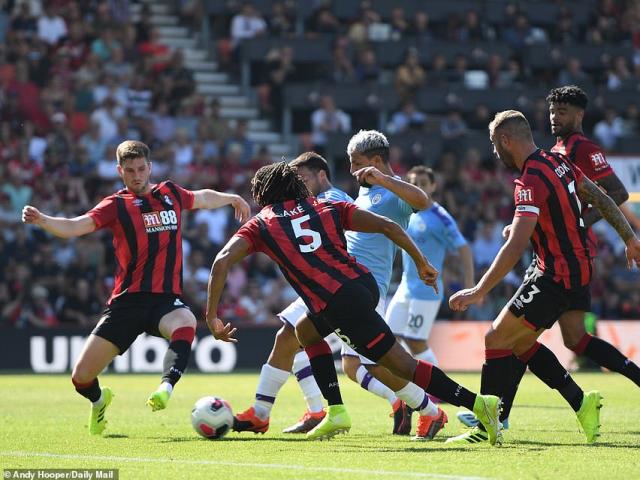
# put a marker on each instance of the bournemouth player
(305, 237)
(566, 112)
(145, 220)
(548, 197)
(286, 355)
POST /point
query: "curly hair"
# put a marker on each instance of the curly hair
(571, 94)
(277, 183)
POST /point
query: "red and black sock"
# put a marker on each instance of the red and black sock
(90, 391)
(608, 356)
(177, 356)
(545, 365)
(518, 368)
(437, 383)
(324, 371)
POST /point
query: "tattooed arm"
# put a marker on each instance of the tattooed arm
(612, 187)
(590, 193)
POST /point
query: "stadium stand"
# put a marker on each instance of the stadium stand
(215, 102)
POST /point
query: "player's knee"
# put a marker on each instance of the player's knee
(350, 367)
(493, 340)
(286, 341)
(81, 376)
(416, 346)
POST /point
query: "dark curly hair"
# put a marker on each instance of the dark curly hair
(571, 94)
(277, 183)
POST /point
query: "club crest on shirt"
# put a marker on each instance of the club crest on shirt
(167, 200)
(376, 199)
(421, 226)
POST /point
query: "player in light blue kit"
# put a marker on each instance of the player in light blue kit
(414, 306)
(383, 193)
(286, 356)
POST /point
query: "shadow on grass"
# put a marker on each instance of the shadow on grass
(115, 435)
(576, 444)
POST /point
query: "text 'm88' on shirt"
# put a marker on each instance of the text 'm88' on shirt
(147, 237)
(306, 239)
(547, 190)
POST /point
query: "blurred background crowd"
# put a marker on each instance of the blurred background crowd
(204, 83)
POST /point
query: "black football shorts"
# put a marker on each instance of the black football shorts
(541, 301)
(351, 315)
(132, 314)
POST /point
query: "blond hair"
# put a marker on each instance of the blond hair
(130, 149)
(513, 123)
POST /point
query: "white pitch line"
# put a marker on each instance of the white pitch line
(381, 473)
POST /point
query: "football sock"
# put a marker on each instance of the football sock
(605, 354)
(90, 390)
(375, 386)
(545, 365)
(177, 356)
(306, 380)
(271, 381)
(324, 370)
(428, 356)
(417, 399)
(435, 381)
(496, 371)
(517, 372)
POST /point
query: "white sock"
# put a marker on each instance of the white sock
(306, 380)
(167, 387)
(100, 401)
(417, 399)
(427, 356)
(375, 386)
(271, 381)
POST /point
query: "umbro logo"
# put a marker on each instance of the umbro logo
(137, 202)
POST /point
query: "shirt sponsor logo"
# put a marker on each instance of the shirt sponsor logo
(598, 161)
(525, 195)
(160, 221)
(561, 170)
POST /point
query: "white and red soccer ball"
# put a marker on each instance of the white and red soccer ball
(212, 417)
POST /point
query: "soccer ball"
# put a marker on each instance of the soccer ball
(212, 417)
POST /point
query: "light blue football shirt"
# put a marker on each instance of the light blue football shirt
(435, 233)
(374, 250)
(335, 194)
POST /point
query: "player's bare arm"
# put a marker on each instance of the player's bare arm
(58, 226)
(521, 230)
(589, 192)
(364, 221)
(411, 194)
(234, 251)
(211, 199)
(615, 189)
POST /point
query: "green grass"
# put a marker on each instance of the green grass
(43, 425)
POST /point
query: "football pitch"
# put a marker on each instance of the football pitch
(43, 425)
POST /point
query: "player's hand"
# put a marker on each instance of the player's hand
(632, 251)
(428, 274)
(506, 231)
(220, 331)
(242, 208)
(31, 215)
(461, 300)
(369, 175)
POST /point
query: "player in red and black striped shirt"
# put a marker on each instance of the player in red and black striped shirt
(145, 220)
(566, 110)
(548, 197)
(305, 237)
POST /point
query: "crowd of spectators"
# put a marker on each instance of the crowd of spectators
(77, 78)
